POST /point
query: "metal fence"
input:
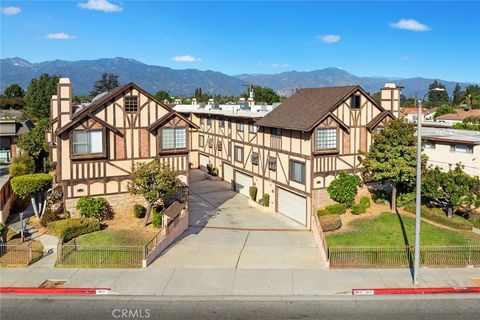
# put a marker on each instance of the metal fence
(100, 256)
(402, 256)
(15, 255)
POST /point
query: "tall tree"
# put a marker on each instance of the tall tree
(162, 95)
(264, 94)
(472, 96)
(34, 142)
(38, 96)
(392, 157)
(437, 98)
(106, 83)
(14, 91)
(457, 94)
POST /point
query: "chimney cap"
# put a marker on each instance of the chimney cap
(390, 85)
(64, 80)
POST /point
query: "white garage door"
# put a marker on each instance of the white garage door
(227, 173)
(243, 183)
(204, 160)
(292, 205)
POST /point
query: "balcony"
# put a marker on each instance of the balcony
(276, 142)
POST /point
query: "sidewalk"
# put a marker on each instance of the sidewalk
(236, 282)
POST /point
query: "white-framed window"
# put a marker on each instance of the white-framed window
(209, 121)
(201, 141)
(87, 142)
(429, 145)
(131, 103)
(238, 154)
(221, 123)
(461, 148)
(252, 128)
(174, 138)
(297, 171)
(239, 126)
(326, 138)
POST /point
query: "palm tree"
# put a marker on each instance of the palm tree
(470, 99)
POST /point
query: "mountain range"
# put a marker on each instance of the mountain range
(84, 73)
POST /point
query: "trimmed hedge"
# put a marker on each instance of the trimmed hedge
(69, 229)
(139, 211)
(437, 215)
(338, 208)
(30, 184)
(94, 207)
(330, 222)
(344, 188)
(21, 165)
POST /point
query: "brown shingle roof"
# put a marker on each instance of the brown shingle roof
(460, 115)
(306, 107)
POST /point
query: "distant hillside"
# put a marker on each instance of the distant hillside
(84, 73)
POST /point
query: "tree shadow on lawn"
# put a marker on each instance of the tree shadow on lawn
(407, 243)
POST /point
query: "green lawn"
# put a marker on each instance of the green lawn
(390, 229)
(116, 237)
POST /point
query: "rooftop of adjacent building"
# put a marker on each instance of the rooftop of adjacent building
(242, 110)
(452, 135)
(460, 115)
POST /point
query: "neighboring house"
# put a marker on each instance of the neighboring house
(294, 151)
(411, 114)
(10, 130)
(5, 193)
(93, 147)
(447, 147)
(459, 116)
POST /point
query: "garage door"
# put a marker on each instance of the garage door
(292, 205)
(242, 182)
(227, 172)
(204, 160)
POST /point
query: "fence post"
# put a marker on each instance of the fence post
(29, 253)
(470, 255)
(144, 252)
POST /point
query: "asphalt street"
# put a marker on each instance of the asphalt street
(435, 307)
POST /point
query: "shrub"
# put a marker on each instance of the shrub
(358, 209)
(338, 208)
(139, 211)
(157, 217)
(69, 229)
(213, 171)
(266, 199)
(30, 184)
(365, 201)
(49, 216)
(344, 188)
(438, 215)
(475, 222)
(330, 222)
(94, 207)
(404, 199)
(253, 192)
(21, 165)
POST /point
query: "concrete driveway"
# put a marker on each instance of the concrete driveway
(225, 232)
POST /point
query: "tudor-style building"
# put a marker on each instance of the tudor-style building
(94, 147)
(294, 151)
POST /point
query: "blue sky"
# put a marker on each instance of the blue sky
(402, 39)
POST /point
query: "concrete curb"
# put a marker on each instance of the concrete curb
(388, 291)
(60, 291)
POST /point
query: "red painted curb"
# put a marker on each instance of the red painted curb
(34, 290)
(379, 291)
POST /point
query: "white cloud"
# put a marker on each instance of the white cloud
(329, 38)
(60, 36)
(410, 24)
(186, 58)
(100, 5)
(10, 11)
(279, 65)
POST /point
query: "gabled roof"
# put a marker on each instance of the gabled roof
(379, 118)
(88, 111)
(303, 110)
(166, 117)
(460, 115)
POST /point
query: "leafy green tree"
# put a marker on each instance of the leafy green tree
(469, 123)
(38, 96)
(444, 109)
(34, 142)
(264, 94)
(344, 188)
(14, 91)
(81, 99)
(12, 103)
(155, 181)
(453, 189)
(162, 95)
(106, 83)
(457, 94)
(437, 98)
(392, 157)
(21, 165)
(34, 186)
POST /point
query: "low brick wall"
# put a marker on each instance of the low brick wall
(120, 202)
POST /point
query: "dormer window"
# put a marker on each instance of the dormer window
(131, 103)
(356, 101)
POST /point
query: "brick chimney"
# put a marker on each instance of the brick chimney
(390, 98)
